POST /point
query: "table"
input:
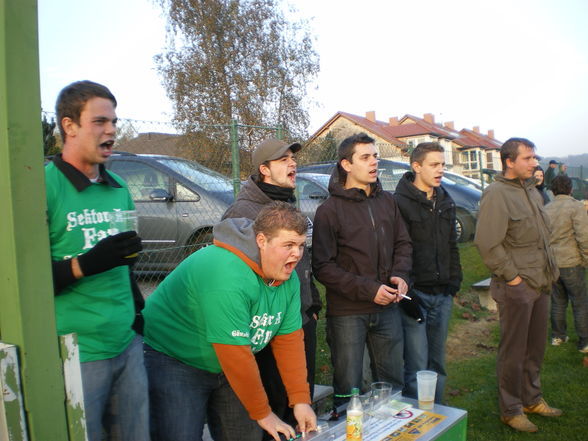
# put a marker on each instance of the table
(442, 423)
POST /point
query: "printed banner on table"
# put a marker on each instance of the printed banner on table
(415, 428)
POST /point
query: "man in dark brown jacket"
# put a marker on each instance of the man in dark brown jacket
(274, 179)
(512, 236)
(362, 254)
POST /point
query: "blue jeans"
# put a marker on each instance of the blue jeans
(182, 397)
(571, 285)
(424, 343)
(347, 337)
(115, 396)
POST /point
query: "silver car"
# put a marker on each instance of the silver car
(177, 201)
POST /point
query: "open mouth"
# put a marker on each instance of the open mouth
(107, 144)
(374, 173)
(292, 175)
(290, 266)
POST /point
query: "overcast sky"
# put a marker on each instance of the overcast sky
(518, 67)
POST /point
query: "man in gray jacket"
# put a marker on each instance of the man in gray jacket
(569, 240)
(512, 236)
(274, 178)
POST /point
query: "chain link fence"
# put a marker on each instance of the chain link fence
(182, 184)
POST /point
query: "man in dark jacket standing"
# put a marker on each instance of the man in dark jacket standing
(274, 179)
(429, 213)
(362, 254)
(513, 236)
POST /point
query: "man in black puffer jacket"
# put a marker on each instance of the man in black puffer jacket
(429, 213)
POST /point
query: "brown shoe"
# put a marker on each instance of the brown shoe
(520, 423)
(543, 409)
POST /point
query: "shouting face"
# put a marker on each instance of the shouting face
(280, 254)
(89, 142)
(281, 171)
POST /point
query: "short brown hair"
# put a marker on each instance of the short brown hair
(510, 150)
(277, 216)
(347, 149)
(561, 184)
(420, 151)
(73, 98)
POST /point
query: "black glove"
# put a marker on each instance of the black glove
(111, 252)
(411, 307)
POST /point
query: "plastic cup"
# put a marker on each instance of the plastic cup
(124, 220)
(366, 404)
(381, 392)
(426, 384)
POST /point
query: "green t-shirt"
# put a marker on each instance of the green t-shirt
(98, 308)
(215, 297)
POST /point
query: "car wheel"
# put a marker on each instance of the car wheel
(464, 226)
(198, 240)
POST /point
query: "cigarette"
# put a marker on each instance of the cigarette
(405, 297)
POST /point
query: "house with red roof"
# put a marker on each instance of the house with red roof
(396, 138)
(477, 150)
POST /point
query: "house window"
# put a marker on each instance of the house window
(469, 160)
(489, 163)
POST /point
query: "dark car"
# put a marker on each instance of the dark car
(467, 199)
(177, 201)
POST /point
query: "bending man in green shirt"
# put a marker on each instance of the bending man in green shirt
(208, 318)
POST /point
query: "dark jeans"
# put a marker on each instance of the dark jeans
(347, 337)
(272, 381)
(523, 313)
(570, 286)
(424, 343)
(181, 397)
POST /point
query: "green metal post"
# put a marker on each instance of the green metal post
(236, 162)
(279, 132)
(26, 296)
(480, 166)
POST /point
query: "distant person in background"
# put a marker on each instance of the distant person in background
(569, 241)
(550, 174)
(540, 185)
(563, 169)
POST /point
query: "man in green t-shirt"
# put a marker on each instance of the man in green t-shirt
(208, 318)
(90, 262)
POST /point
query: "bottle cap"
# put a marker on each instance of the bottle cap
(355, 391)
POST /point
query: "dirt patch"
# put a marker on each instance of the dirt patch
(471, 338)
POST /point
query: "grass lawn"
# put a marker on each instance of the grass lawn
(472, 380)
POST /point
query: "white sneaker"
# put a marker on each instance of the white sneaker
(556, 341)
(584, 350)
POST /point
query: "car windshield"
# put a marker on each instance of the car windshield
(206, 178)
(318, 178)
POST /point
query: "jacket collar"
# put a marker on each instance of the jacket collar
(407, 188)
(79, 180)
(337, 188)
(527, 183)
